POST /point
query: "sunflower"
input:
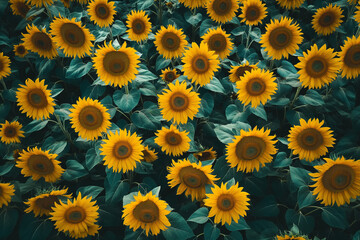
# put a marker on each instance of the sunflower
(289, 237)
(41, 204)
(337, 181)
(256, 87)
(4, 66)
(122, 150)
(16, 154)
(310, 140)
(147, 212)
(70, 36)
(218, 41)
(170, 42)
(318, 67)
(139, 25)
(200, 63)
(75, 216)
(116, 67)
(40, 3)
(327, 19)
(227, 204)
(222, 11)
(169, 75)
(20, 50)
(352, 1)
(172, 141)
(236, 72)
(290, 4)
(281, 38)
(193, 3)
(37, 163)
(6, 191)
(350, 57)
(91, 231)
(251, 150)
(66, 3)
(101, 12)
(179, 103)
(35, 99)
(89, 118)
(149, 155)
(83, 2)
(357, 15)
(19, 7)
(191, 178)
(10, 132)
(253, 12)
(207, 154)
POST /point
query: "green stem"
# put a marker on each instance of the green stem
(126, 89)
(248, 37)
(296, 96)
(111, 34)
(63, 129)
(3, 83)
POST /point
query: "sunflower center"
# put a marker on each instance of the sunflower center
(75, 215)
(338, 177)
(169, 76)
(255, 87)
(138, 26)
(222, 7)
(249, 148)
(205, 156)
(41, 41)
(280, 38)
(116, 63)
(352, 56)
(316, 67)
(192, 177)
(179, 102)
(170, 41)
(22, 8)
(47, 202)
(122, 150)
(37, 98)
(326, 19)
(102, 11)
(252, 13)
(225, 202)
(20, 49)
(173, 139)
(40, 164)
(72, 35)
(146, 211)
(10, 131)
(240, 71)
(200, 64)
(217, 42)
(310, 139)
(90, 118)
(1, 65)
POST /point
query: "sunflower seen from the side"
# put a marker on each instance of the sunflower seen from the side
(4, 66)
(207, 154)
(282, 37)
(310, 139)
(11, 132)
(170, 42)
(227, 205)
(122, 150)
(172, 141)
(169, 75)
(149, 155)
(337, 181)
(357, 15)
(350, 57)
(7, 190)
(71, 37)
(37, 164)
(101, 12)
(89, 118)
(290, 237)
(116, 67)
(222, 11)
(40, 3)
(253, 12)
(327, 19)
(236, 72)
(179, 103)
(20, 50)
(19, 7)
(290, 4)
(192, 4)
(218, 41)
(35, 99)
(139, 25)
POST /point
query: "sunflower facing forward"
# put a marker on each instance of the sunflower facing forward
(350, 57)
(193, 3)
(35, 99)
(20, 50)
(290, 4)
(11, 132)
(170, 42)
(218, 41)
(116, 67)
(222, 11)
(327, 19)
(89, 118)
(139, 25)
(169, 75)
(236, 72)
(179, 103)
(318, 67)
(4, 66)
(102, 12)
(19, 7)
(6, 192)
(282, 37)
(310, 140)
(172, 141)
(253, 12)
(337, 181)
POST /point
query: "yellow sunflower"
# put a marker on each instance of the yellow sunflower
(116, 67)
(191, 178)
(37, 163)
(357, 15)
(89, 118)
(352, 1)
(251, 150)
(19, 7)
(218, 41)
(207, 154)
(327, 19)
(281, 38)
(66, 3)
(139, 25)
(310, 140)
(193, 3)
(337, 181)
(35, 99)
(256, 87)
(290, 4)
(122, 150)
(149, 155)
(200, 63)
(16, 154)
(172, 141)
(350, 57)
(253, 12)
(6, 191)
(169, 75)
(20, 50)
(4, 66)
(236, 72)
(75, 216)
(179, 103)
(42, 204)
(40, 3)
(289, 237)
(222, 11)
(10, 132)
(39, 41)
(101, 12)
(147, 212)
(71, 37)
(170, 42)
(91, 231)
(227, 205)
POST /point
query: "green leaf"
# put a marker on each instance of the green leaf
(224, 133)
(233, 113)
(145, 75)
(238, 31)
(312, 98)
(179, 229)
(193, 19)
(205, 26)
(129, 198)
(259, 111)
(206, 105)
(305, 197)
(115, 189)
(264, 227)
(90, 191)
(74, 170)
(299, 176)
(267, 207)
(280, 101)
(281, 160)
(145, 121)
(161, 63)
(8, 220)
(215, 86)
(77, 69)
(155, 191)
(118, 28)
(34, 11)
(255, 34)
(200, 216)
(148, 89)
(211, 232)
(144, 4)
(92, 159)
(32, 228)
(57, 147)
(240, 225)
(6, 167)
(127, 102)
(45, 67)
(305, 223)
(335, 217)
(35, 125)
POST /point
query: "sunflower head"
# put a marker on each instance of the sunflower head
(290, 237)
(253, 12)
(4, 66)
(222, 11)
(236, 72)
(350, 57)
(327, 19)
(172, 141)
(192, 4)
(20, 50)
(149, 155)
(11, 132)
(6, 191)
(66, 3)
(170, 42)
(19, 7)
(40, 3)
(169, 75)
(290, 4)
(207, 154)
(139, 25)
(102, 12)
(218, 41)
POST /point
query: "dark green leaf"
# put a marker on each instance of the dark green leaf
(144, 4)
(32, 228)
(126, 102)
(240, 225)
(90, 191)
(279, 101)
(206, 105)
(305, 223)
(162, 63)
(8, 220)
(305, 197)
(312, 98)
(281, 160)
(215, 86)
(193, 19)
(142, 120)
(299, 176)
(92, 159)
(35, 125)
(199, 216)
(211, 232)
(335, 217)
(267, 207)
(264, 227)
(179, 229)
(77, 68)
(115, 189)
(118, 28)
(259, 111)
(74, 170)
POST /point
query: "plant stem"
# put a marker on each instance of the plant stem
(296, 96)
(3, 83)
(248, 37)
(62, 127)
(126, 89)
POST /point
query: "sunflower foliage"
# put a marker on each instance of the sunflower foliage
(179, 119)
